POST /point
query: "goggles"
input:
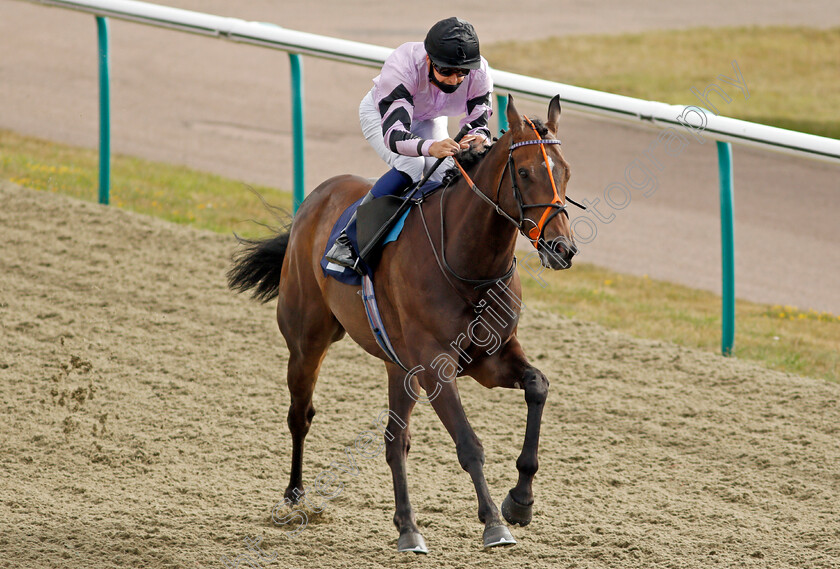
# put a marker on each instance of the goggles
(449, 71)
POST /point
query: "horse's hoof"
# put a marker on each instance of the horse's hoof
(516, 513)
(498, 535)
(412, 541)
(293, 495)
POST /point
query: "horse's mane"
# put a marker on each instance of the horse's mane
(470, 157)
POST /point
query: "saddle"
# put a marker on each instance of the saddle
(366, 234)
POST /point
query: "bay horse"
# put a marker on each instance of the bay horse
(433, 287)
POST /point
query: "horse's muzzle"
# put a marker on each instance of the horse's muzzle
(557, 254)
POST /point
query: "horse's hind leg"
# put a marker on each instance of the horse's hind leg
(309, 329)
(397, 444)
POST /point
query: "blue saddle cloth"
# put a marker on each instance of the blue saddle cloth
(349, 276)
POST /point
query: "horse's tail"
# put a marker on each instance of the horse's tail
(258, 266)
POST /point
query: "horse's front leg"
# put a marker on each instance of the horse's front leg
(447, 404)
(511, 369)
(397, 445)
(518, 504)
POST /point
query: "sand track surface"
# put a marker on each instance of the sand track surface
(143, 425)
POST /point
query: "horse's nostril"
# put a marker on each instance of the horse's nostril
(562, 250)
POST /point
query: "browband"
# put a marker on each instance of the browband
(527, 142)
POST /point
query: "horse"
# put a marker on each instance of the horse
(449, 297)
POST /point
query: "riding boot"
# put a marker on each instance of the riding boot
(341, 253)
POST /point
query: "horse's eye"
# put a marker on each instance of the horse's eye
(523, 173)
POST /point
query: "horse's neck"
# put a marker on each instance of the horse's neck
(479, 242)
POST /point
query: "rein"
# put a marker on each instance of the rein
(478, 284)
(556, 204)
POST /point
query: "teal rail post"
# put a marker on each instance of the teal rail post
(297, 130)
(727, 244)
(104, 113)
(501, 110)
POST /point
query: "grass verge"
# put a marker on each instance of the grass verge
(804, 342)
(175, 193)
(791, 73)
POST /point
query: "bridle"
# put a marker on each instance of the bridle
(552, 209)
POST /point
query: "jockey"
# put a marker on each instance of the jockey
(404, 116)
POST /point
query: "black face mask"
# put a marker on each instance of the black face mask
(442, 86)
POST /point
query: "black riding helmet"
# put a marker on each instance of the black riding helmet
(453, 43)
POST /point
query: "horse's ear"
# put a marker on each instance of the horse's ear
(553, 113)
(513, 118)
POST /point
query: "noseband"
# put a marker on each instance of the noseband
(552, 209)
